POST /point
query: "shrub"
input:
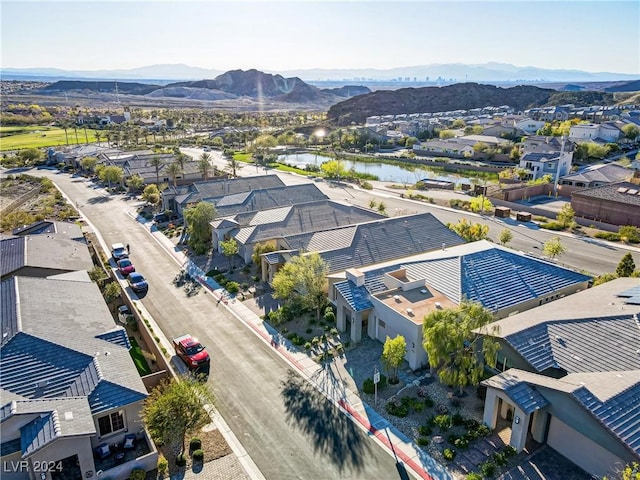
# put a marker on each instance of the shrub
(397, 409)
(488, 468)
(474, 476)
(428, 402)
(482, 430)
(449, 454)
(443, 422)
(309, 330)
(422, 441)
(198, 455)
(220, 279)
(181, 460)
(612, 237)
(457, 419)
(255, 278)
(137, 474)
(451, 438)
(424, 430)
(509, 450)
(556, 226)
(461, 443)
(500, 459)
(163, 465)
(195, 444)
(232, 287)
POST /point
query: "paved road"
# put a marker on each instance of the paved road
(287, 427)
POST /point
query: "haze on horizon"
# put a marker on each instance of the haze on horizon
(594, 36)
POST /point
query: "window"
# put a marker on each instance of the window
(111, 423)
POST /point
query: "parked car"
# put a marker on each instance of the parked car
(119, 251)
(137, 282)
(191, 351)
(125, 267)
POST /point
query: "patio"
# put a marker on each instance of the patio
(120, 456)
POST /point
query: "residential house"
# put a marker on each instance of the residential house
(542, 144)
(393, 298)
(43, 255)
(593, 176)
(251, 228)
(555, 164)
(571, 377)
(180, 197)
(363, 244)
(528, 125)
(615, 203)
(603, 132)
(444, 148)
(64, 395)
(141, 165)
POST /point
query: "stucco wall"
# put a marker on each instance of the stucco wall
(606, 211)
(133, 424)
(581, 450)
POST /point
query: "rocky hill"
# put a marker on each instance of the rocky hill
(127, 88)
(461, 96)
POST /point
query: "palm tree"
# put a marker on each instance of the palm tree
(173, 169)
(98, 137)
(157, 162)
(181, 159)
(204, 165)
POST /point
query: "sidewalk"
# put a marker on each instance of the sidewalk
(415, 461)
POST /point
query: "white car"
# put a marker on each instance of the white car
(119, 251)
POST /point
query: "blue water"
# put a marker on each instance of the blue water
(384, 172)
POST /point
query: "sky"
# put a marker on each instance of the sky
(594, 36)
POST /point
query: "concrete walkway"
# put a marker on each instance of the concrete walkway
(415, 461)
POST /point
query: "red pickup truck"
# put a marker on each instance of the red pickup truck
(191, 351)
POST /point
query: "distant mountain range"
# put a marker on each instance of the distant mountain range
(447, 73)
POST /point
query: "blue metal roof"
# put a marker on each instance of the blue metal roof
(356, 297)
(499, 279)
(619, 414)
(108, 395)
(12, 251)
(631, 296)
(117, 337)
(526, 397)
(38, 433)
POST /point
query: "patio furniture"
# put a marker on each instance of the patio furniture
(129, 441)
(103, 450)
(119, 458)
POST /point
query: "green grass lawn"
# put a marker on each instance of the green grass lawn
(16, 138)
(138, 358)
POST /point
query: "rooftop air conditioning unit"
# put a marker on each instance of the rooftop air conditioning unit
(409, 311)
(396, 298)
(438, 305)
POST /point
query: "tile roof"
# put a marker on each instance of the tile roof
(297, 219)
(523, 395)
(496, 277)
(608, 173)
(39, 359)
(369, 242)
(268, 198)
(216, 189)
(46, 251)
(620, 192)
(66, 229)
(540, 156)
(357, 297)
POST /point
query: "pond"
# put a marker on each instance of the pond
(384, 171)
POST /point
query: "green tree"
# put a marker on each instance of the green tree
(629, 233)
(410, 142)
(88, 163)
(458, 123)
(233, 165)
(260, 249)
(175, 409)
(604, 278)
(135, 182)
(111, 293)
(229, 250)
(30, 155)
(198, 219)
(204, 165)
(173, 169)
(566, 215)
(554, 248)
(334, 169)
(111, 174)
(480, 204)
(151, 194)
(303, 278)
(626, 267)
(470, 232)
(392, 356)
(445, 134)
(505, 236)
(157, 163)
(453, 339)
(630, 131)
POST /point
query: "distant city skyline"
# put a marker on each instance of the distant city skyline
(594, 36)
